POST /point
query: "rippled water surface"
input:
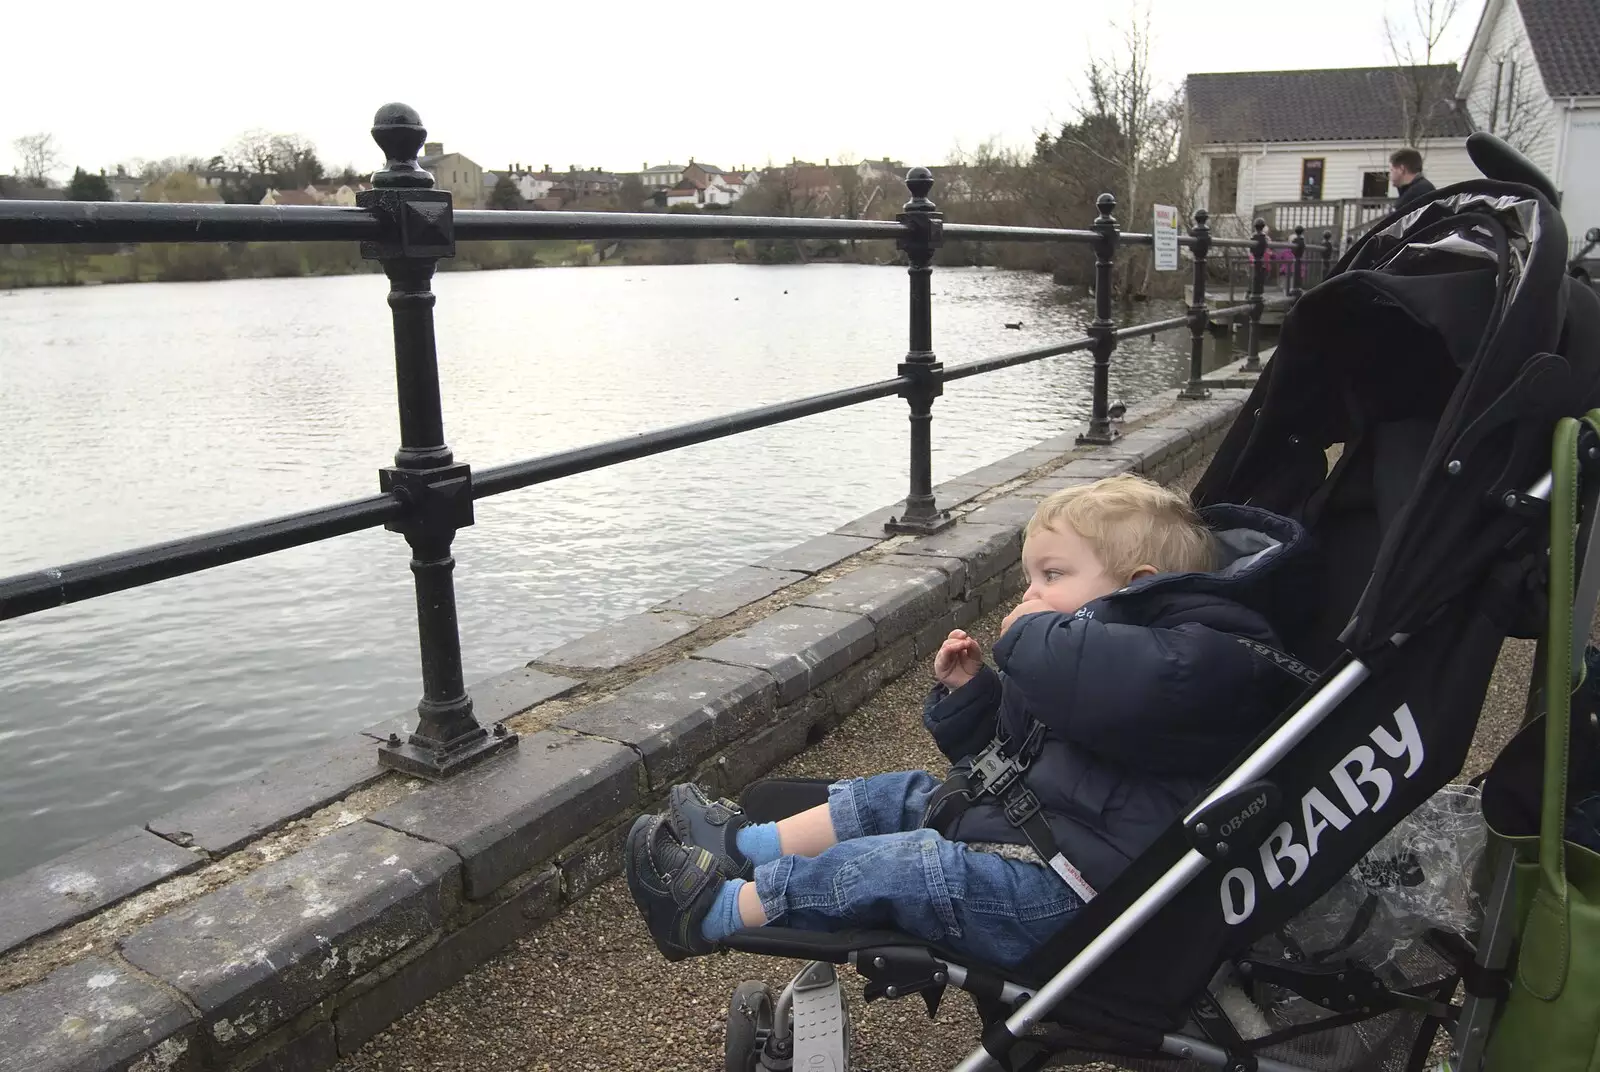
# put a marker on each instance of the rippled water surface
(143, 413)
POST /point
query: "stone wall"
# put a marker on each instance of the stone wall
(281, 923)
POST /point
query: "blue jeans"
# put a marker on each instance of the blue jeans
(886, 872)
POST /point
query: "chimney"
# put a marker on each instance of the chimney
(433, 148)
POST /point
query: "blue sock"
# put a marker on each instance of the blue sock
(723, 918)
(758, 842)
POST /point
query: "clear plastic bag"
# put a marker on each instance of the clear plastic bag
(1419, 876)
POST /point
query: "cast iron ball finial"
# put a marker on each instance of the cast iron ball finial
(398, 130)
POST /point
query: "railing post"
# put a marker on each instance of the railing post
(1297, 281)
(1197, 309)
(437, 490)
(1327, 256)
(924, 236)
(1103, 329)
(1256, 296)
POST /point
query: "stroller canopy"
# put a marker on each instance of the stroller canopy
(1432, 364)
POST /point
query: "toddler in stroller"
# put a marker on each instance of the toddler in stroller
(1136, 665)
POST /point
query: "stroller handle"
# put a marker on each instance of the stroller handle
(1498, 160)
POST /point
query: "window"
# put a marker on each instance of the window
(1224, 185)
(1374, 184)
(1311, 178)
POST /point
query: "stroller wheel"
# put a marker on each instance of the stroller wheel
(749, 1024)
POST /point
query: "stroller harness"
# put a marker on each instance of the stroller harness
(997, 772)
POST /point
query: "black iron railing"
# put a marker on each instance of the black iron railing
(427, 495)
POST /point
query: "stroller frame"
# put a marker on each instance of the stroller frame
(1027, 1022)
(807, 1026)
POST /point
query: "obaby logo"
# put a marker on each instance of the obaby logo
(1360, 779)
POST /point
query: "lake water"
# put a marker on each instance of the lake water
(148, 412)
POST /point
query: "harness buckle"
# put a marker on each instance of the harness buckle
(994, 771)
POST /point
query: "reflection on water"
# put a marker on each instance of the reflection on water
(162, 410)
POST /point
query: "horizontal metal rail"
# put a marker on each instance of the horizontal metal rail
(27, 593)
(503, 478)
(72, 222)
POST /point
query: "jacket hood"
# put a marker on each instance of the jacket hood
(1262, 567)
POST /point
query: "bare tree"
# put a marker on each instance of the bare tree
(1512, 106)
(1413, 43)
(38, 157)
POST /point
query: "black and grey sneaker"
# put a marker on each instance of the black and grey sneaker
(673, 884)
(696, 819)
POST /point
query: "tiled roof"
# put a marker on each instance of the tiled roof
(1342, 104)
(1565, 35)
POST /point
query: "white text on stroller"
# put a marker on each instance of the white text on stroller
(1352, 776)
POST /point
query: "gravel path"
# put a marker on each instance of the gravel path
(589, 992)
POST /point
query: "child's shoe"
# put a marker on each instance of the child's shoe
(713, 825)
(673, 884)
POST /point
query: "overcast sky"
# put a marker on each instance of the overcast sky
(616, 83)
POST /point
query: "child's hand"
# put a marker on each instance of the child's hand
(958, 661)
(1026, 607)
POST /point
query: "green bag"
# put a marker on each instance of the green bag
(1551, 1021)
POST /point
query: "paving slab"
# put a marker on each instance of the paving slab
(78, 884)
(801, 647)
(517, 809)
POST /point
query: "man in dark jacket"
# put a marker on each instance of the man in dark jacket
(1405, 171)
(1136, 667)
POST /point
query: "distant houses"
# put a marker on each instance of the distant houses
(1311, 147)
(454, 172)
(313, 194)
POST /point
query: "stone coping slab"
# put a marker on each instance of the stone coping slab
(77, 885)
(225, 820)
(731, 591)
(896, 599)
(799, 646)
(620, 641)
(677, 716)
(254, 953)
(519, 808)
(95, 1016)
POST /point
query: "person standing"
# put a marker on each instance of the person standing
(1405, 171)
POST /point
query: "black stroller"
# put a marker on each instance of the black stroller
(1431, 367)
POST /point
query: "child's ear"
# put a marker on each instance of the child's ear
(1142, 571)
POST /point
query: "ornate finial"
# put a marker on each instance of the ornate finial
(1300, 231)
(399, 132)
(1201, 216)
(919, 180)
(1327, 238)
(1260, 225)
(1107, 204)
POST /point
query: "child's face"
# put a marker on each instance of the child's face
(1063, 571)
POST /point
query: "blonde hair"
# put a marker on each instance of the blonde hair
(1131, 522)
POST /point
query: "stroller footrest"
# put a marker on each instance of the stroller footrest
(821, 1032)
(1348, 988)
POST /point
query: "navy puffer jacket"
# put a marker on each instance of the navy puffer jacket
(1145, 696)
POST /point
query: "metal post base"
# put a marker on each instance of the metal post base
(435, 764)
(1099, 436)
(919, 526)
(1195, 391)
